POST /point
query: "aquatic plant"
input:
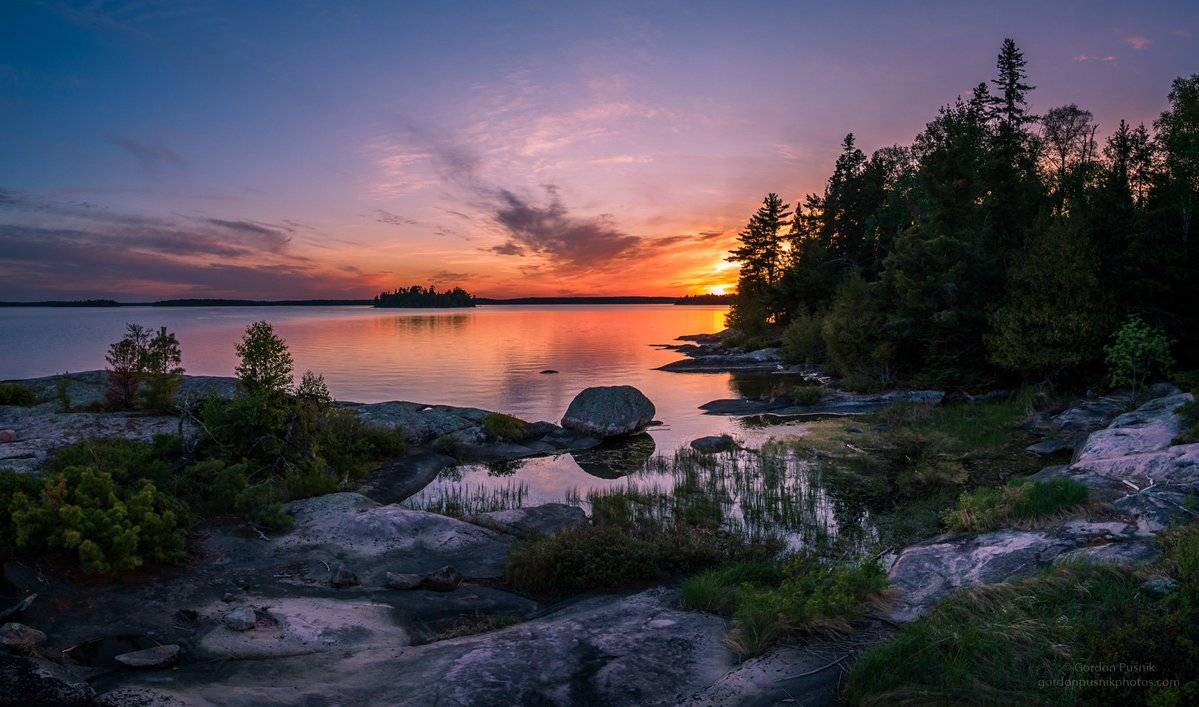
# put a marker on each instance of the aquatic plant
(461, 500)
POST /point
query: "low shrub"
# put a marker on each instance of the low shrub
(84, 511)
(1040, 641)
(718, 590)
(807, 394)
(814, 597)
(11, 483)
(1190, 423)
(609, 558)
(506, 427)
(992, 508)
(17, 394)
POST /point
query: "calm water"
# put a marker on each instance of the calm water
(488, 357)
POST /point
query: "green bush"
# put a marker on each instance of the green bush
(803, 340)
(83, 511)
(992, 508)
(62, 389)
(1190, 423)
(11, 483)
(505, 427)
(1038, 641)
(143, 358)
(814, 596)
(608, 558)
(718, 590)
(1137, 353)
(17, 394)
(807, 394)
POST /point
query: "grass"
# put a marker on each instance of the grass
(17, 394)
(1017, 503)
(807, 394)
(473, 624)
(1039, 641)
(461, 500)
(1190, 423)
(505, 427)
(772, 601)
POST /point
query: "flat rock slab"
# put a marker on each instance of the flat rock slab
(835, 402)
(41, 431)
(1150, 428)
(635, 650)
(371, 539)
(703, 359)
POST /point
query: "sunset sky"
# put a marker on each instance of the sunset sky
(335, 149)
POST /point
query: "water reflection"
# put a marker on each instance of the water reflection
(613, 460)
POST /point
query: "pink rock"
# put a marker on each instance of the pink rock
(7, 436)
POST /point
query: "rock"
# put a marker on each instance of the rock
(1172, 469)
(420, 423)
(241, 619)
(1160, 586)
(713, 444)
(19, 607)
(1155, 510)
(927, 572)
(1128, 552)
(32, 681)
(157, 657)
(1150, 428)
(1049, 447)
(402, 581)
(444, 579)
(137, 697)
(546, 519)
(8, 436)
(342, 577)
(20, 638)
(352, 529)
(1082, 418)
(712, 360)
(609, 411)
(835, 402)
(548, 372)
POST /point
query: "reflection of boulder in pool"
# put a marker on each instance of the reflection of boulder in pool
(616, 458)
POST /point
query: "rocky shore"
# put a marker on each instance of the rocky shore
(364, 601)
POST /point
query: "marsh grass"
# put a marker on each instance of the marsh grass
(1019, 503)
(1039, 641)
(461, 499)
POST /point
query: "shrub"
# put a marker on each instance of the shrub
(718, 590)
(265, 364)
(83, 511)
(1024, 642)
(312, 389)
(807, 394)
(124, 359)
(62, 390)
(505, 427)
(814, 596)
(17, 394)
(11, 483)
(1190, 423)
(1138, 352)
(991, 508)
(608, 558)
(803, 340)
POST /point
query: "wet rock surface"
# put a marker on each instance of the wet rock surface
(835, 402)
(716, 359)
(714, 444)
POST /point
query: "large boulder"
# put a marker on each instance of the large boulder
(609, 411)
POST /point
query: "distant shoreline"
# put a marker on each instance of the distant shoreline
(99, 303)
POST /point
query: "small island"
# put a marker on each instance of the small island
(417, 296)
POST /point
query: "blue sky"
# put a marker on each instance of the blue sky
(334, 149)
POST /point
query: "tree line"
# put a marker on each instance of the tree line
(998, 245)
(417, 296)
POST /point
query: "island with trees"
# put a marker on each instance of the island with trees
(417, 296)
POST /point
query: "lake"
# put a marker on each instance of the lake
(490, 357)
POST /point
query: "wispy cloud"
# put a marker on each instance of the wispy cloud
(1084, 58)
(1138, 42)
(152, 157)
(551, 231)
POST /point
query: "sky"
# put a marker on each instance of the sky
(337, 149)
